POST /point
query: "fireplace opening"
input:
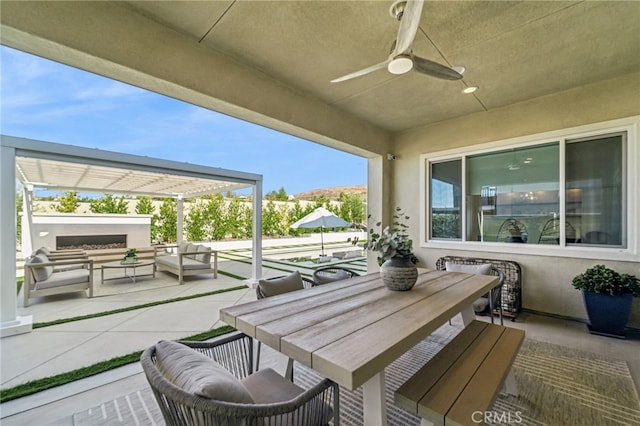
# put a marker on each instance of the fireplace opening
(91, 242)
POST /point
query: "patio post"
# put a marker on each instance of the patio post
(180, 219)
(10, 322)
(256, 265)
(27, 221)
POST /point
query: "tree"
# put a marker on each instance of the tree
(145, 206)
(215, 214)
(195, 222)
(279, 195)
(109, 204)
(168, 221)
(68, 202)
(352, 208)
(236, 225)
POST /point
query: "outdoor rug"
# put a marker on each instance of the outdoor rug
(558, 386)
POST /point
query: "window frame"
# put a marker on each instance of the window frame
(631, 165)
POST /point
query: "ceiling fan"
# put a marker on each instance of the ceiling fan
(402, 60)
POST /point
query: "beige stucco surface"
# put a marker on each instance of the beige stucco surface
(547, 280)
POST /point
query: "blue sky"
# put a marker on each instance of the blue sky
(48, 101)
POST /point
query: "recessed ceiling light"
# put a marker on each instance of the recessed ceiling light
(470, 89)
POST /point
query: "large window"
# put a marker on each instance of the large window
(562, 192)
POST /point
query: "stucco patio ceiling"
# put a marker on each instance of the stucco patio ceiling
(513, 50)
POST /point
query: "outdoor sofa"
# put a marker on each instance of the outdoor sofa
(44, 277)
(190, 259)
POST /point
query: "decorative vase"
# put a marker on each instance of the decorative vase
(399, 274)
(608, 315)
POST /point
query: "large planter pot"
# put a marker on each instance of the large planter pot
(608, 315)
(399, 274)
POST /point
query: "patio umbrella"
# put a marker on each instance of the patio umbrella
(320, 218)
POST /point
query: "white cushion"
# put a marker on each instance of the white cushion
(198, 374)
(483, 269)
(182, 247)
(281, 285)
(62, 278)
(324, 277)
(481, 304)
(41, 273)
(191, 248)
(204, 257)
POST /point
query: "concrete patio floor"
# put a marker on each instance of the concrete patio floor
(60, 348)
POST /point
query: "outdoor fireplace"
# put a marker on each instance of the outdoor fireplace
(87, 232)
(91, 242)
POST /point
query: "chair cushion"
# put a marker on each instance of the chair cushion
(324, 277)
(43, 250)
(204, 257)
(267, 387)
(198, 374)
(483, 269)
(481, 305)
(62, 278)
(191, 248)
(192, 264)
(182, 247)
(41, 273)
(281, 285)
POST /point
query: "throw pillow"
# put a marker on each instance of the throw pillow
(204, 257)
(41, 273)
(281, 285)
(191, 248)
(329, 277)
(483, 269)
(198, 374)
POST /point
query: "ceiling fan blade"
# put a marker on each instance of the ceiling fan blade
(408, 26)
(434, 69)
(362, 72)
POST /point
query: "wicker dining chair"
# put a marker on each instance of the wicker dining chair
(330, 274)
(280, 285)
(213, 383)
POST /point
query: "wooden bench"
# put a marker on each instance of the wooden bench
(462, 381)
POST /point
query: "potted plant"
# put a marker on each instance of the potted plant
(607, 296)
(395, 253)
(130, 256)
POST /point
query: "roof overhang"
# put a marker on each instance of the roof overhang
(62, 167)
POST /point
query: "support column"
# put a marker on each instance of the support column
(27, 221)
(180, 219)
(378, 199)
(256, 264)
(10, 322)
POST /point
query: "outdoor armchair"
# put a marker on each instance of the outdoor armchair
(330, 274)
(190, 259)
(43, 277)
(213, 383)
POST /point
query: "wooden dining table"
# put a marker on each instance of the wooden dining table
(350, 330)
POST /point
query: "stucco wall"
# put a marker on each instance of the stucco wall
(547, 280)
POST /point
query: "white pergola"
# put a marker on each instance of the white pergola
(38, 164)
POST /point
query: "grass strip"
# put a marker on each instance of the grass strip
(40, 385)
(133, 308)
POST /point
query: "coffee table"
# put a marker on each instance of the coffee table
(132, 266)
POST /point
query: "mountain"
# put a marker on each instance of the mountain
(332, 193)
